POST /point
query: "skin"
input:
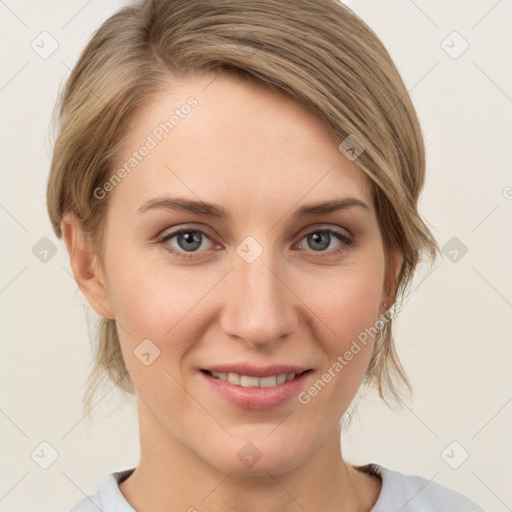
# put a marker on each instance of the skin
(260, 155)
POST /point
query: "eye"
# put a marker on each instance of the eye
(188, 241)
(320, 239)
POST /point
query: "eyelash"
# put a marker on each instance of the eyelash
(346, 242)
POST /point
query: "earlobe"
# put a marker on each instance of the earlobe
(84, 264)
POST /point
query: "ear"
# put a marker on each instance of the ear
(395, 263)
(85, 265)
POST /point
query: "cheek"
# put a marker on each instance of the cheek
(348, 302)
(348, 310)
(150, 307)
(144, 298)
(154, 330)
(163, 305)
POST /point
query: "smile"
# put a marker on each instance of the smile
(249, 381)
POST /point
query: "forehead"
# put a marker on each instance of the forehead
(228, 140)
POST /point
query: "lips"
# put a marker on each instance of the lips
(256, 388)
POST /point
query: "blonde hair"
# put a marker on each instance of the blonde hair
(317, 52)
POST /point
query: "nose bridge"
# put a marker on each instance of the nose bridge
(258, 308)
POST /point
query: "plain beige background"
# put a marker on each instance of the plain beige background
(453, 334)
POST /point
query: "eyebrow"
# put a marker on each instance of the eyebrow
(213, 210)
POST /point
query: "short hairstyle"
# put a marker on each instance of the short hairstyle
(320, 53)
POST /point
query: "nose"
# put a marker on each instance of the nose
(259, 305)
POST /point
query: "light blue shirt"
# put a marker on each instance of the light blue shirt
(399, 492)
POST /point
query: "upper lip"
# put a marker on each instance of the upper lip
(256, 371)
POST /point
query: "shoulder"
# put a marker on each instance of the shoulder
(108, 498)
(90, 503)
(413, 493)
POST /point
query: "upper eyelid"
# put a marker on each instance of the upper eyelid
(324, 227)
(172, 232)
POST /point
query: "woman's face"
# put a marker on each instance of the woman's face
(272, 283)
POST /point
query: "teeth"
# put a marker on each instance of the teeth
(233, 378)
(268, 382)
(248, 381)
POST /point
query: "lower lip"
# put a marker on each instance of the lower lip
(257, 398)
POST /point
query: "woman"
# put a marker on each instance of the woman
(237, 184)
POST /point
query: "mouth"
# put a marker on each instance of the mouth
(252, 381)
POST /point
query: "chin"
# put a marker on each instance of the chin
(257, 456)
